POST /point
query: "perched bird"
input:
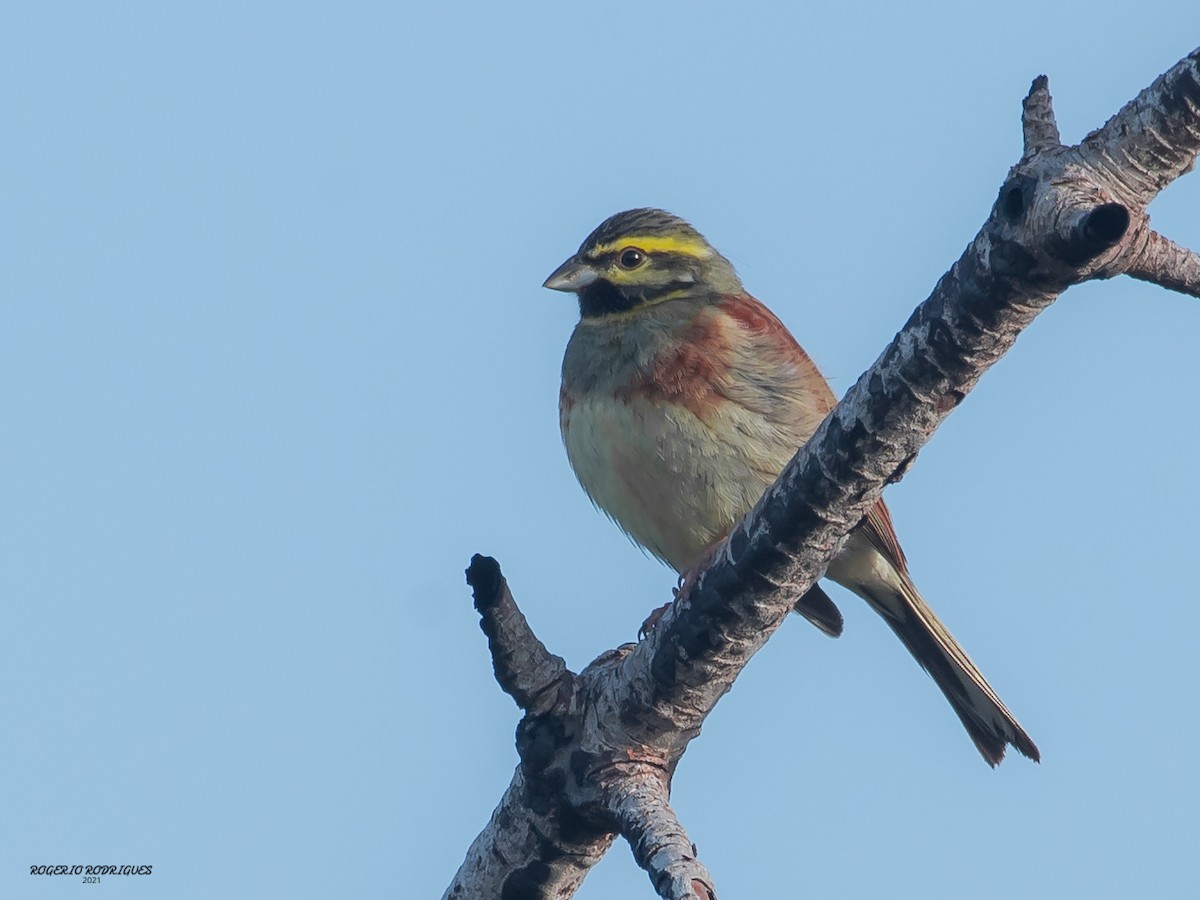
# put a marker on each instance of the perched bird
(682, 399)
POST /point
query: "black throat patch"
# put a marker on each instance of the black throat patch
(602, 298)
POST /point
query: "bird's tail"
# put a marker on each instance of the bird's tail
(821, 611)
(989, 723)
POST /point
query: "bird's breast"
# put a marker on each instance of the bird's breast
(676, 427)
(656, 470)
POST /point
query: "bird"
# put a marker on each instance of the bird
(682, 399)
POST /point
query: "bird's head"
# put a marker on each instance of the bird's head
(638, 259)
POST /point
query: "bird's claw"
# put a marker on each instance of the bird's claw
(651, 621)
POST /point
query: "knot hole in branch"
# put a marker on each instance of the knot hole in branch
(1099, 229)
(1106, 224)
(1016, 196)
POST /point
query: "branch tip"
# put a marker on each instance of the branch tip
(486, 581)
(525, 669)
(1037, 118)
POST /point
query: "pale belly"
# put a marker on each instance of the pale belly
(672, 482)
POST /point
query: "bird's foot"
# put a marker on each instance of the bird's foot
(652, 620)
(681, 591)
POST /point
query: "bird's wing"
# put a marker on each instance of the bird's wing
(781, 381)
(769, 372)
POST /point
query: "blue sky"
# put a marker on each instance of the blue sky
(275, 361)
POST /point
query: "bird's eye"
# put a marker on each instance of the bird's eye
(631, 258)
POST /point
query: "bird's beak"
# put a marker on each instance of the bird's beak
(573, 275)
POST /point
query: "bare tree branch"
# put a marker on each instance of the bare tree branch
(528, 850)
(1154, 138)
(1040, 127)
(1165, 263)
(639, 803)
(529, 673)
(597, 749)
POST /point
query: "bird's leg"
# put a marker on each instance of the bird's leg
(689, 576)
(683, 588)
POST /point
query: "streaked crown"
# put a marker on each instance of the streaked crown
(647, 225)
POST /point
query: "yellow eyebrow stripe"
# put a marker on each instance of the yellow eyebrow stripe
(686, 246)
